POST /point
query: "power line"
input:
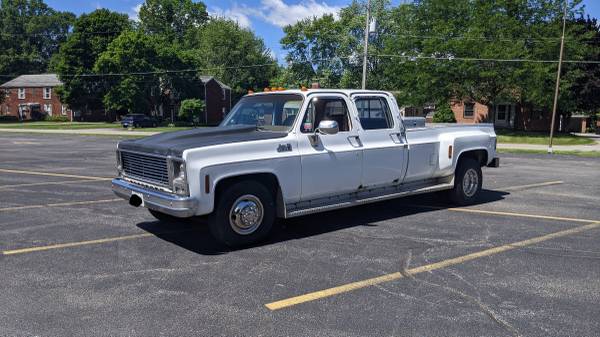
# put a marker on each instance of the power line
(191, 70)
(477, 59)
(274, 63)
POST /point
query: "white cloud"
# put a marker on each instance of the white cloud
(235, 13)
(134, 14)
(276, 12)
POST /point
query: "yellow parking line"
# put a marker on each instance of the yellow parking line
(52, 174)
(4, 187)
(522, 187)
(313, 296)
(521, 215)
(61, 204)
(74, 244)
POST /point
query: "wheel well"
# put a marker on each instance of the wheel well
(481, 156)
(267, 179)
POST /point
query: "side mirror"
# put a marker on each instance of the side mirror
(328, 127)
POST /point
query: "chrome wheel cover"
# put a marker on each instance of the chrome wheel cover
(470, 183)
(246, 214)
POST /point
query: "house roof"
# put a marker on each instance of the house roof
(33, 81)
(205, 79)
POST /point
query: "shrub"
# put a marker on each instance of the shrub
(443, 114)
(57, 119)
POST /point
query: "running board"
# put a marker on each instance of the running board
(364, 197)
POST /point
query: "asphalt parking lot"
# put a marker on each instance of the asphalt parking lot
(75, 260)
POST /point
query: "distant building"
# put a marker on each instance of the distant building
(215, 94)
(217, 97)
(33, 97)
(504, 115)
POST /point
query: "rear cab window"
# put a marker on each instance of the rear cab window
(374, 113)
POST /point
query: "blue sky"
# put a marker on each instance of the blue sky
(265, 17)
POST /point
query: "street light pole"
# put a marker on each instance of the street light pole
(554, 107)
(364, 74)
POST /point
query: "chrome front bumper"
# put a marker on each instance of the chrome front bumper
(181, 207)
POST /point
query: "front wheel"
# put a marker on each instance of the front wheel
(244, 214)
(467, 182)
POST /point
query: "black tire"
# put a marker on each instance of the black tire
(467, 170)
(252, 194)
(162, 216)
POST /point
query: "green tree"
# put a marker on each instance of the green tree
(144, 82)
(191, 108)
(30, 33)
(92, 33)
(586, 91)
(430, 39)
(223, 49)
(443, 114)
(172, 18)
(329, 50)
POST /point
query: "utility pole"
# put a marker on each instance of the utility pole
(364, 74)
(562, 48)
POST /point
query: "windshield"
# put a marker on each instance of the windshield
(266, 112)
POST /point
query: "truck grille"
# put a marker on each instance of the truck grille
(150, 169)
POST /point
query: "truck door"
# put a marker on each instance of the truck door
(331, 163)
(385, 150)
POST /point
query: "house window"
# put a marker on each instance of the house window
(47, 93)
(63, 110)
(502, 112)
(48, 109)
(469, 110)
(21, 93)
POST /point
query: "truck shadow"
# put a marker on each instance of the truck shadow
(194, 235)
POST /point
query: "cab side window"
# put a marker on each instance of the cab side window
(374, 113)
(333, 109)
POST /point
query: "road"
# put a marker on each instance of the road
(77, 261)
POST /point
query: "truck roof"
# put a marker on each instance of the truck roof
(307, 92)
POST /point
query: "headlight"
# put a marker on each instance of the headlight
(179, 183)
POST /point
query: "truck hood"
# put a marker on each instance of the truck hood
(174, 143)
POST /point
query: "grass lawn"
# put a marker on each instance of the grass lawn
(519, 137)
(59, 125)
(593, 154)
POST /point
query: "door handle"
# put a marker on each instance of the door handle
(355, 141)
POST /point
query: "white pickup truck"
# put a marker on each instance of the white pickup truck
(290, 153)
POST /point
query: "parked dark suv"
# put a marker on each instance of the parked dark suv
(138, 121)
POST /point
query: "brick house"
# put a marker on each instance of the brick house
(215, 94)
(33, 97)
(217, 97)
(503, 115)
